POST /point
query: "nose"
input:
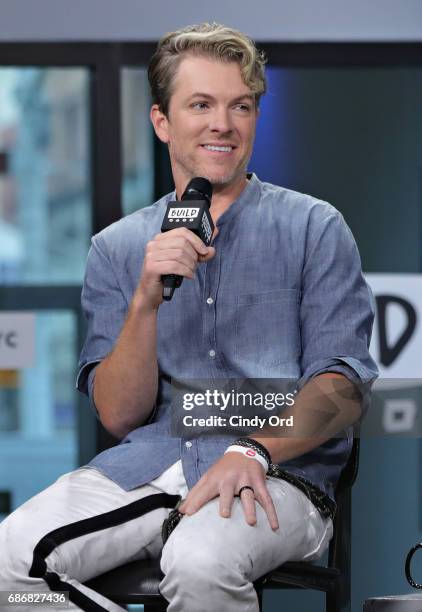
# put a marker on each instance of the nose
(220, 120)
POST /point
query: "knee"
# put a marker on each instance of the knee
(196, 560)
(187, 565)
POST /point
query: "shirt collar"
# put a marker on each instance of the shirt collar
(249, 195)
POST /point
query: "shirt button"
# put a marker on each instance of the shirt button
(188, 444)
(210, 300)
(211, 353)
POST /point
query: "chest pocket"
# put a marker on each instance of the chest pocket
(267, 327)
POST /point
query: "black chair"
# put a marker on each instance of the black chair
(137, 582)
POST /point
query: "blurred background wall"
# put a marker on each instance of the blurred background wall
(271, 20)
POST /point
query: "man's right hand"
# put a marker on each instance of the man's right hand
(177, 251)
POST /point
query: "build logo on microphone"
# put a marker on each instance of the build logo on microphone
(183, 212)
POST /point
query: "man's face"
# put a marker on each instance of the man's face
(210, 107)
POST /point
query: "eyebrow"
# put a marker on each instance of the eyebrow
(249, 97)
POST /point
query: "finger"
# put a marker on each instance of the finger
(210, 254)
(187, 504)
(192, 494)
(198, 498)
(265, 500)
(183, 232)
(175, 242)
(173, 255)
(226, 500)
(247, 498)
(172, 267)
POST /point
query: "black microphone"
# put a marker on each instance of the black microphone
(195, 216)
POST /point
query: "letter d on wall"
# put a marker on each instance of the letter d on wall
(388, 353)
(396, 343)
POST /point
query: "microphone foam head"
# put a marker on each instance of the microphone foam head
(199, 184)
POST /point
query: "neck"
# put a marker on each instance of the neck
(222, 198)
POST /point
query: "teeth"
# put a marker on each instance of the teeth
(211, 148)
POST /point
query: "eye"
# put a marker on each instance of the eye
(243, 107)
(199, 105)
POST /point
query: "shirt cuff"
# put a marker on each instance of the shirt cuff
(85, 382)
(91, 377)
(352, 368)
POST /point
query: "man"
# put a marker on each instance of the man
(279, 294)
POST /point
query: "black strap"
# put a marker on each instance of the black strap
(79, 528)
(77, 597)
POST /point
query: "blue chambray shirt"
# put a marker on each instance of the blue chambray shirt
(288, 301)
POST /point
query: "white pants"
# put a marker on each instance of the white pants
(209, 562)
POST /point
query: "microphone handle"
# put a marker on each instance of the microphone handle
(170, 283)
(203, 227)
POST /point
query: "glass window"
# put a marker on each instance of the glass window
(45, 224)
(38, 438)
(45, 230)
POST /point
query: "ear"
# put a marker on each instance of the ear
(160, 123)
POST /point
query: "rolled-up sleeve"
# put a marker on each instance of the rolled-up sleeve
(337, 306)
(104, 307)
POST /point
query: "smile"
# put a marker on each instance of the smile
(218, 149)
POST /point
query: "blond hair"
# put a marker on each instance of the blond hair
(207, 39)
